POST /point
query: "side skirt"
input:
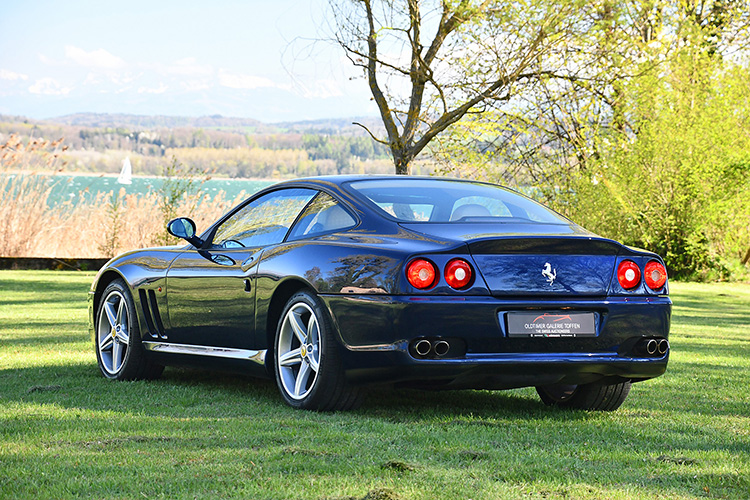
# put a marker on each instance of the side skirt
(258, 357)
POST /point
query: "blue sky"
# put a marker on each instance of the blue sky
(255, 58)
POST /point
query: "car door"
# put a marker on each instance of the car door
(211, 291)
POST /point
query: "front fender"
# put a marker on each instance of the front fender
(140, 268)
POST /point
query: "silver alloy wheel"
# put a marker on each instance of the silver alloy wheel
(113, 333)
(298, 351)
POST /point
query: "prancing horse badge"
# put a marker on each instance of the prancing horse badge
(549, 273)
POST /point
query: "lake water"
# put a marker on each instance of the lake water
(69, 187)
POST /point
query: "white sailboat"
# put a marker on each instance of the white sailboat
(126, 174)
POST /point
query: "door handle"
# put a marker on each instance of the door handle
(247, 263)
(248, 285)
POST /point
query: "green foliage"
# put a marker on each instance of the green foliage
(343, 150)
(679, 187)
(648, 142)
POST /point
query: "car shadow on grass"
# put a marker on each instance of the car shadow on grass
(191, 392)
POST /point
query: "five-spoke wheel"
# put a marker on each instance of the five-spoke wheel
(113, 329)
(117, 337)
(307, 363)
(298, 352)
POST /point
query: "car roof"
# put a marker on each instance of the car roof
(338, 180)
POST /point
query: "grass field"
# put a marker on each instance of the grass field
(66, 432)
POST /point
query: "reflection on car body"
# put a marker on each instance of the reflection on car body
(332, 284)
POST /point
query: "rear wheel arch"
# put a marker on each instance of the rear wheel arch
(307, 366)
(280, 297)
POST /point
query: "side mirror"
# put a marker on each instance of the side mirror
(184, 228)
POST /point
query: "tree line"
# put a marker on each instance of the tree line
(230, 153)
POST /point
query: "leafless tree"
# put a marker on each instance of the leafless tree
(430, 62)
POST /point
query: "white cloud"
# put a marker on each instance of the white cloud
(93, 79)
(123, 78)
(95, 59)
(10, 75)
(194, 86)
(233, 81)
(188, 67)
(49, 86)
(317, 89)
(49, 61)
(158, 90)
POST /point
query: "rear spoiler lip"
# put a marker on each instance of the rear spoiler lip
(548, 245)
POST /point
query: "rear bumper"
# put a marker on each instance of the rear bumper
(378, 333)
(500, 371)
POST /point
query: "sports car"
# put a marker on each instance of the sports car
(332, 284)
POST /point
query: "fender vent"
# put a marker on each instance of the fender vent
(151, 313)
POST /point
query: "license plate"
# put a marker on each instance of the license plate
(551, 324)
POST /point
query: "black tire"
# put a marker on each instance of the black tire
(309, 373)
(595, 397)
(117, 337)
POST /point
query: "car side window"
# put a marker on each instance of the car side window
(263, 221)
(323, 215)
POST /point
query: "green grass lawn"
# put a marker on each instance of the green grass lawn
(66, 432)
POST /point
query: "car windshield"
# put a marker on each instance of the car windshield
(440, 201)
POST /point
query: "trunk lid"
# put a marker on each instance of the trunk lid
(535, 259)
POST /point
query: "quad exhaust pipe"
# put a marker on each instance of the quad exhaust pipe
(423, 347)
(431, 348)
(663, 347)
(652, 347)
(441, 348)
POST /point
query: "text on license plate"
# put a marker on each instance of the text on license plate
(551, 324)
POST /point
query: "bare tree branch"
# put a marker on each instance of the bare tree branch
(412, 121)
(381, 141)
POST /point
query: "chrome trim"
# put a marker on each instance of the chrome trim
(202, 350)
(396, 346)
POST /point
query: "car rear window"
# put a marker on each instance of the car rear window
(440, 201)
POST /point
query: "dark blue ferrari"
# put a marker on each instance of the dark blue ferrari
(331, 284)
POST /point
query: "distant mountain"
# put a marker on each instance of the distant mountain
(157, 121)
(333, 126)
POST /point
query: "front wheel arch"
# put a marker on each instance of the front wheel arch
(105, 279)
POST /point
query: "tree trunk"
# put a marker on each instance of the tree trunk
(747, 257)
(402, 167)
(402, 158)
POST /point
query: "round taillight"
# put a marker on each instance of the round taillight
(421, 273)
(458, 273)
(628, 274)
(655, 275)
